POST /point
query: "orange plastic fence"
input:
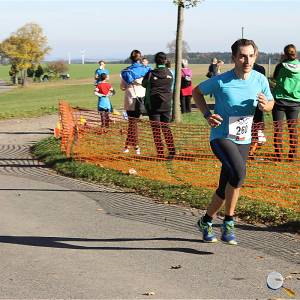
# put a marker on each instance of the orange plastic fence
(68, 127)
(272, 176)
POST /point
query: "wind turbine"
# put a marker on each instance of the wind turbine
(82, 56)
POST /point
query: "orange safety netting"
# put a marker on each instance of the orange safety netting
(272, 175)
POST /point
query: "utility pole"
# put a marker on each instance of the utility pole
(242, 32)
(269, 66)
(69, 58)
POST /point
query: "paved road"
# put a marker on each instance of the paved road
(65, 238)
(4, 87)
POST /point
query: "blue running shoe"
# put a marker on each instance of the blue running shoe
(227, 231)
(207, 231)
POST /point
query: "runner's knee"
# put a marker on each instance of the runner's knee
(238, 176)
(220, 191)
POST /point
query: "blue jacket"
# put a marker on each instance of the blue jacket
(133, 72)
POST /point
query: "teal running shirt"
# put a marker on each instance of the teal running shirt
(235, 102)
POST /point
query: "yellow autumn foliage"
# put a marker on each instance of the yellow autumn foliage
(26, 47)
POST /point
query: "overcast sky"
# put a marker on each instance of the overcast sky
(112, 28)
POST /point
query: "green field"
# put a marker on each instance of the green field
(77, 71)
(4, 73)
(42, 98)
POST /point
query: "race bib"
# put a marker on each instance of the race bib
(240, 128)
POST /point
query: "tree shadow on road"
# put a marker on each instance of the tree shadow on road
(66, 243)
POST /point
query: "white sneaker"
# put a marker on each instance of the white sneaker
(261, 137)
(138, 151)
(126, 150)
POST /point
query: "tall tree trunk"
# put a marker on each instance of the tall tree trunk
(15, 79)
(24, 77)
(178, 59)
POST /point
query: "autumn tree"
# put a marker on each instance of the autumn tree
(25, 48)
(181, 4)
(57, 68)
(172, 49)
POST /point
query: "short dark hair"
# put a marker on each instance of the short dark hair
(241, 43)
(135, 55)
(103, 76)
(160, 58)
(290, 55)
(101, 61)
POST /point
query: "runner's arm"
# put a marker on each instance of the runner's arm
(213, 120)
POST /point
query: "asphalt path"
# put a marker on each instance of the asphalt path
(66, 238)
(4, 86)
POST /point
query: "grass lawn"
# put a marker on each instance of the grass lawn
(78, 71)
(27, 102)
(42, 98)
(4, 73)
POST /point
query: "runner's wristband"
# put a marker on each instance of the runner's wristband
(207, 114)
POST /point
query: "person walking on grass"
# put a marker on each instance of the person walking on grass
(237, 93)
(158, 102)
(103, 90)
(101, 70)
(220, 63)
(212, 70)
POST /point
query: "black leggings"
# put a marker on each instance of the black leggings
(291, 114)
(160, 123)
(185, 104)
(233, 158)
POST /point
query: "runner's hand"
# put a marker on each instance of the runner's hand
(262, 101)
(214, 120)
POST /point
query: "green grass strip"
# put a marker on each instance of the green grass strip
(48, 150)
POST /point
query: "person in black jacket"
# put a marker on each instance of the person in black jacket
(213, 68)
(158, 100)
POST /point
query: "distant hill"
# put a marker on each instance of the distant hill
(193, 58)
(205, 58)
